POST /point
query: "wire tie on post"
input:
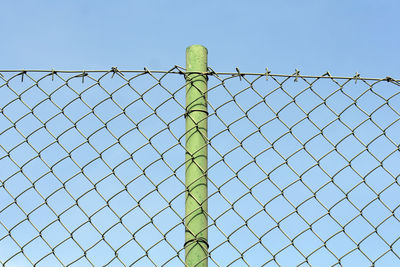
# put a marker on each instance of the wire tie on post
(83, 76)
(356, 77)
(297, 76)
(197, 240)
(240, 75)
(188, 111)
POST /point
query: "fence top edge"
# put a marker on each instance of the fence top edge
(327, 75)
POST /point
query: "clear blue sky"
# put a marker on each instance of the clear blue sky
(342, 37)
(315, 36)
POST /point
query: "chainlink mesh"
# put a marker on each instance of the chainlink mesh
(302, 169)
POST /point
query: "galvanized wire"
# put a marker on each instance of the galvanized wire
(303, 170)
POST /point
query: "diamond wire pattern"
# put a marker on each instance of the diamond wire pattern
(302, 170)
(91, 169)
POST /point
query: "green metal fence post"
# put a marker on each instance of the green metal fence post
(196, 225)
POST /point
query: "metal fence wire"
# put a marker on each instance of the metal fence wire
(302, 170)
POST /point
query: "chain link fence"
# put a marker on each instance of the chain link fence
(302, 170)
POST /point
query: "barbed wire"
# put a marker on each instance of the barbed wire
(181, 70)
